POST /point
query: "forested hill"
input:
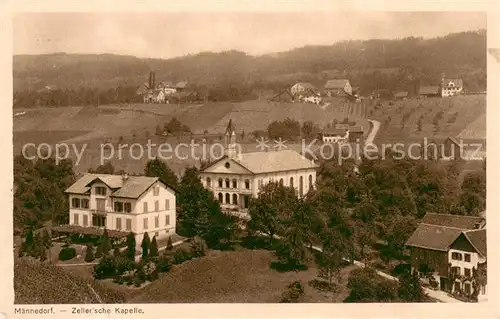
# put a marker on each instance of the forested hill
(368, 64)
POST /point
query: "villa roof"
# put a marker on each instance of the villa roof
(131, 187)
(274, 161)
(478, 239)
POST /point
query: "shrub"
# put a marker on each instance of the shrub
(98, 252)
(106, 268)
(67, 253)
(197, 248)
(294, 293)
(323, 285)
(180, 256)
(170, 246)
(163, 264)
(89, 253)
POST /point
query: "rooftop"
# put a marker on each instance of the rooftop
(433, 237)
(336, 84)
(131, 187)
(274, 161)
(478, 239)
(448, 220)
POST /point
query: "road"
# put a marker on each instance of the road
(373, 132)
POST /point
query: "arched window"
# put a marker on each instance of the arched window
(227, 182)
(220, 198)
(310, 181)
(235, 183)
(220, 182)
(301, 186)
(291, 181)
(281, 181)
(247, 184)
(235, 199)
(228, 198)
(209, 182)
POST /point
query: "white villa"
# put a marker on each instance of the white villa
(137, 204)
(237, 176)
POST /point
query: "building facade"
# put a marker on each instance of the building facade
(451, 87)
(340, 87)
(237, 177)
(301, 87)
(452, 250)
(136, 204)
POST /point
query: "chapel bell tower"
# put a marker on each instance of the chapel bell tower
(230, 140)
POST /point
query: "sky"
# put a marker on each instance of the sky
(168, 34)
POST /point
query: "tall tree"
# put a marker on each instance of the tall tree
(131, 243)
(153, 250)
(145, 245)
(158, 168)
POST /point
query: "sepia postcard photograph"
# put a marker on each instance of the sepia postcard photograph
(248, 157)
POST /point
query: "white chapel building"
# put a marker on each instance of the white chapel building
(237, 176)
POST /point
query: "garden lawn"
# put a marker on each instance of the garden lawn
(233, 276)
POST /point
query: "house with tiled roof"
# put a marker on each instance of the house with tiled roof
(452, 250)
(451, 87)
(301, 87)
(429, 91)
(123, 203)
(343, 134)
(236, 177)
(338, 87)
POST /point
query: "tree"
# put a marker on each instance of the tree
(170, 246)
(274, 204)
(409, 288)
(131, 246)
(145, 245)
(158, 168)
(89, 253)
(106, 168)
(294, 293)
(47, 242)
(367, 286)
(330, 260)
(153, 250)
(105, 243)
(27, 246)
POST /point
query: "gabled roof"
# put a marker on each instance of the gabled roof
(287, 92)
(448, 220)
(131, 187)
(433, 237)
(305, 85)
(478, 240)
(335, 131)
(429, 89)
(181, 85)
(455, 82)
(271, 161)
(336, 84)
(401, 94)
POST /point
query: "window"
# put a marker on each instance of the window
(228, 199)
(247, 184)
(99, 190)
(75, 202)
(156, 190)
(301, 186)
(157, 205)
(227, 165)
(167, 204)
(145, 207)
(128, 223)
(75, 219)
(209, 182)
(85, 220)
(220, 198)
(118, 207)
(118, 223)
(98, 220)
(467, 258)
(227, 182)
(291, 181)
(467, 272)
(235, 183)
(145, 223)
(235, 199)
(455, 270)
(220, 182)
(467, 288)
(456, 256)
(127, 207)
(157, 221)
(84, 203)
(167, 220)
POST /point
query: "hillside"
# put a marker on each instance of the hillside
(369, 64)
(58, 286)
